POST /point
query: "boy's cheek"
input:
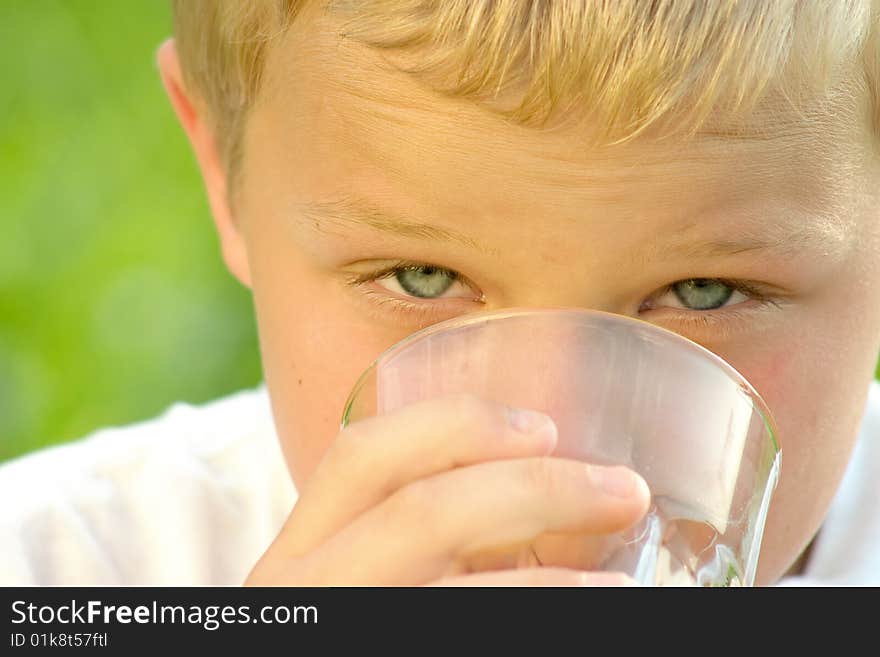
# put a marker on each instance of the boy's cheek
(314, 347)
(814, 384)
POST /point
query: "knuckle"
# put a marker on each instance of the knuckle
(476, 414)
(349, 436)
(417, 509)
(541, 475)
(411, 503)
(348, 445)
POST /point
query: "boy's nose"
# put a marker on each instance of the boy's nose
(549, 362)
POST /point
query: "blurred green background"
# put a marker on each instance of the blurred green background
(114, 301)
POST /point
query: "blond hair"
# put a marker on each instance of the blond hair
(628, 64)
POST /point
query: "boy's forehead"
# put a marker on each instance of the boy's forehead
(348, 97)
(367, 86)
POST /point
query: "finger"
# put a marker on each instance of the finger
(373, 458)
(537, 577)
(428, 527)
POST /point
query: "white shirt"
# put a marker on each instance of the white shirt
(195, 496)
(192, 497)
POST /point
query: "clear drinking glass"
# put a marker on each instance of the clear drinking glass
(622, 392)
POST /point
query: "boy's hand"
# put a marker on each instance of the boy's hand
(415, 496)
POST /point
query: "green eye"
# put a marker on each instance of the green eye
(425, 281)
(702, 293)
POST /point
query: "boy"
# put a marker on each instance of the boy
(376, 166)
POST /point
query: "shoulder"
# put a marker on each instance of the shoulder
(187, 497)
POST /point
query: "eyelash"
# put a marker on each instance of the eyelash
(716, 320)
(428, 310)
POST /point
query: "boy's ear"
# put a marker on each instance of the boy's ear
(193, 117)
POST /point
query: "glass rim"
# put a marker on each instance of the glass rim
(468, 319)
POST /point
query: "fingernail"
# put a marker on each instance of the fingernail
(527, 420)
(617, 481)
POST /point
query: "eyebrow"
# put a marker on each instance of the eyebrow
(825, 235)
(807, 234)
(349, 211)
